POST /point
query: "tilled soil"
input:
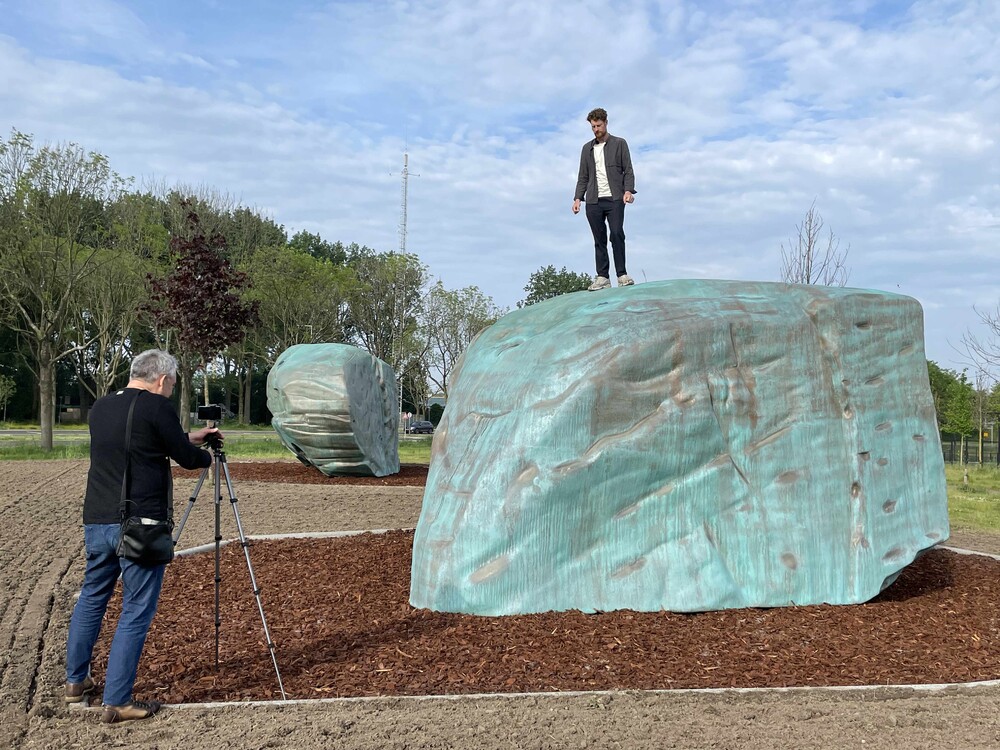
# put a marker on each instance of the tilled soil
(41, 566)
(338, 608)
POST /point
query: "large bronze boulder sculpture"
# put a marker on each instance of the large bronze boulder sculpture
(336, 408)
(683, 445)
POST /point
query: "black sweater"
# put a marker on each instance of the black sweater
(157, 436)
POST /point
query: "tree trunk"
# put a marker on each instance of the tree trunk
(46, 393)
(184, 370)
(227, 371)
(247, 383)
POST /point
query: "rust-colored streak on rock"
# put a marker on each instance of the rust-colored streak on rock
(494, 567)
(627, 570)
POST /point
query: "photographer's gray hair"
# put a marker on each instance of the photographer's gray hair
(151, 364)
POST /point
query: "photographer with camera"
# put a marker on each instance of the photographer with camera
(141, 417)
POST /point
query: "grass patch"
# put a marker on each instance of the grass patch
(415, 451)
(35, 426)
(410, 451)
(21, 450)
(974, 506)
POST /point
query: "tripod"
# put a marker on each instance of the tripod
(220, 469)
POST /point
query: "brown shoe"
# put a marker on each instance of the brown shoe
(130, 711)
(77, 692)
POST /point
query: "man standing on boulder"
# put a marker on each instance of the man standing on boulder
(607, 181)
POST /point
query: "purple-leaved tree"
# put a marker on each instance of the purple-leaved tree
(200, 305)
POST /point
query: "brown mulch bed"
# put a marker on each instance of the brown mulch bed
(338, 611)
(288, 472)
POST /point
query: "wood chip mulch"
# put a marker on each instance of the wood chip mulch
(338, 612)
(293, 472)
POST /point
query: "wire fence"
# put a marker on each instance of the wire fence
(954, 452)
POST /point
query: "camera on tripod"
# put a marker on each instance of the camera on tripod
(210, 413)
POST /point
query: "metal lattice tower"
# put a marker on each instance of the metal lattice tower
(405, 174)
(402, 214)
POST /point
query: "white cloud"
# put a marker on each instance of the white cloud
(739, 115)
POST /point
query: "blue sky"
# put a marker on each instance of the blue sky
(739, 115)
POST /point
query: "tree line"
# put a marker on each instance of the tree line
(93, 271)
(968, 409)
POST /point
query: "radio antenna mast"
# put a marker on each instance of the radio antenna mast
(402, 212)
(401, 322)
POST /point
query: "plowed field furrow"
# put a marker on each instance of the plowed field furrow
(45, 477)
(21, 676)
(40, 524)
(12, 623)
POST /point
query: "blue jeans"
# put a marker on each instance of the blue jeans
(140, 595)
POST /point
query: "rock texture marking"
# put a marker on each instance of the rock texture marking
(335, 407)
(683, 445)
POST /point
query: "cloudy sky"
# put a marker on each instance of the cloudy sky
(739, 115)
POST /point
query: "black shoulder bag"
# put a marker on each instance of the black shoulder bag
(146, 541)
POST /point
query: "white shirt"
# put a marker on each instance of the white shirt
(603, 188)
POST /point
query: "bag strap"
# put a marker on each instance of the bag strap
(127, 477)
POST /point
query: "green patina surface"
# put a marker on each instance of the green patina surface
(683, 445)
(335, 407)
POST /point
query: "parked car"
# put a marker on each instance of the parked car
(416, 428)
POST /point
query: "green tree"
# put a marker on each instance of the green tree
(317, 247)
(434, 414)
(109, 313)
(302, 300)
(384, 306)
(958, 417)
(547, 282)
(7, 389)
(248, 233)
(942, 383)
(53, 222)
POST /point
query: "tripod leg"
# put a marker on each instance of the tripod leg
(190, 505)
(218, 556)
(253, 579)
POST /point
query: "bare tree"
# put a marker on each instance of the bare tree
(452, 319)
(106, 316)
(984, 353)
(812, 258)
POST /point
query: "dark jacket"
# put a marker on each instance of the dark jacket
(617, 163)
(157, 436)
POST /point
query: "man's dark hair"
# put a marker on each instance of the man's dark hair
(598, 114)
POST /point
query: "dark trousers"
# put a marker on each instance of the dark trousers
(612, 211)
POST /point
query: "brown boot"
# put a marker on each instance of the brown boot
(130, 711)
(77, 692)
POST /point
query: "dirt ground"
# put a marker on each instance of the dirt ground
(41, 565)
